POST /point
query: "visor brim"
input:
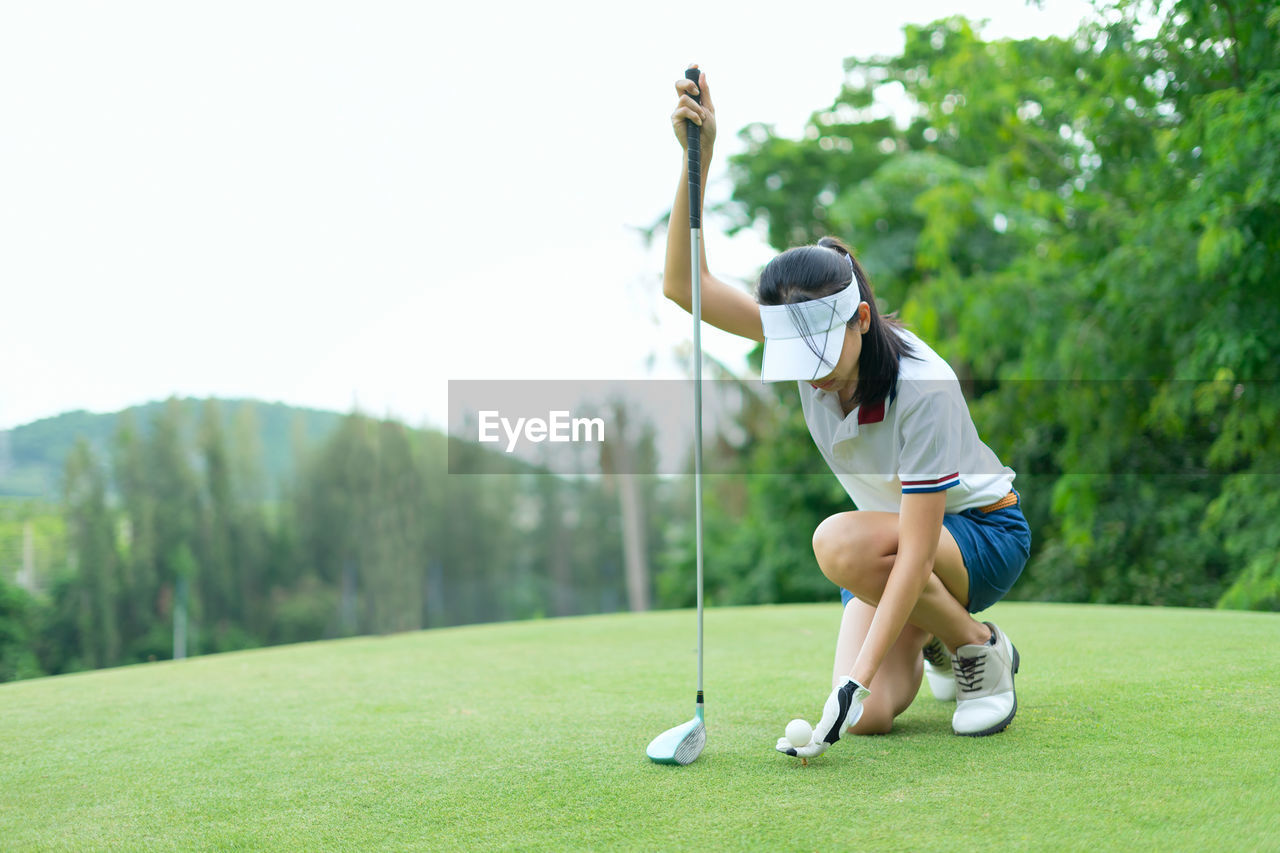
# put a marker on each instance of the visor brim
(795, 359)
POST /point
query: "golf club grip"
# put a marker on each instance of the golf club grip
(695, 159)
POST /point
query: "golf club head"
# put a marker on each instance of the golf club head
(679, 745)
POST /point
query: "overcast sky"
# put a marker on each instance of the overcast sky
(338, 204)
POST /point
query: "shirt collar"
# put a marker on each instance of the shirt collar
(873, 415)
(847, 427)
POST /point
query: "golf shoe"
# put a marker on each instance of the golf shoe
(985, 701)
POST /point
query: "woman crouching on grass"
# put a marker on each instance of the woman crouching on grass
(938, 534)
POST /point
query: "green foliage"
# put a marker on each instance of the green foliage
(33, 537)
(374, 534)
(1244, 515)
(361, 504)
(93, 545)
(783, 495)
(305, 612)
(18, 628)
(1088, 229)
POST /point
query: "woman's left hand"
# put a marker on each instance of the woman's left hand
(843, 709)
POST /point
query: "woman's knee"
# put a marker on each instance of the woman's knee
(849, 546)
(875, 720)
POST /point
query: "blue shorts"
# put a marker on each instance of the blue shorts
(994, 545)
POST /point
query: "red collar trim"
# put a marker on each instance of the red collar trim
(871, 416)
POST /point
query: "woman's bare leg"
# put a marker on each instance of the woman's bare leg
(898, 679)
(857, 550)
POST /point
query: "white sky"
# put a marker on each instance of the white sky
(332, 203)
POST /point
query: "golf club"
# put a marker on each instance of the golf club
(682, 744)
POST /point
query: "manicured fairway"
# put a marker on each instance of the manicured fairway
(1151, 729)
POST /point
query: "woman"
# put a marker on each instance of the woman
(938, 534)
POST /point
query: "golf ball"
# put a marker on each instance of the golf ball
(799, 733)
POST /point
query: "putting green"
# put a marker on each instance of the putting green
(1137, 728)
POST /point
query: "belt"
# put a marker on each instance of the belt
(1008, 500)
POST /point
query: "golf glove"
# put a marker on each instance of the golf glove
(843, 709)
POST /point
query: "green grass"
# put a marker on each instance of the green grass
(1153, 729)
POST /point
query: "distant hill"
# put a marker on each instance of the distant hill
(32, 456)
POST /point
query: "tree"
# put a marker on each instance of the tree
(1087, 229)
(219, 590)
(18, 626)
(92, 531)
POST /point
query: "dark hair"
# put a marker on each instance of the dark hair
(813, 272)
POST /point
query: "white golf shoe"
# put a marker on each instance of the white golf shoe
(985, 701)
(938, 671)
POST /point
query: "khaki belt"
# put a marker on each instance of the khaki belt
(1010, 499)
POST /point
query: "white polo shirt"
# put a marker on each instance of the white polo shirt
(922, 439)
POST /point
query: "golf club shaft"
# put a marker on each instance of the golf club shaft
(695, 262)
(697, 445)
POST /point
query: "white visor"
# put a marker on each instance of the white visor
(803, 340)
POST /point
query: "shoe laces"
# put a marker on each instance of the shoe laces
(969, 672)
(936, 654)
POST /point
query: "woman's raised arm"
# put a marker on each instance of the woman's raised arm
(723, 306)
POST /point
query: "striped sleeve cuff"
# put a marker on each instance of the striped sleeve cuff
(938, 484)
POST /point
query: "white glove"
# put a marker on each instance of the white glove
(843, 709)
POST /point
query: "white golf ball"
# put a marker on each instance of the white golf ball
(799, 733)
